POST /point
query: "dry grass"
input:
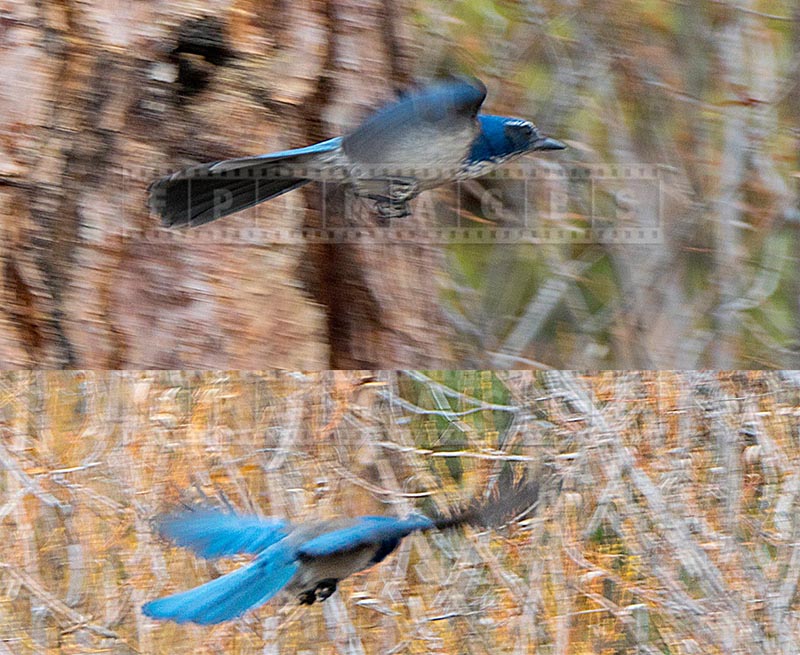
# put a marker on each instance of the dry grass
(669, 518)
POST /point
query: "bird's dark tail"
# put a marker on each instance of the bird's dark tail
(204, 193)
(507, 501)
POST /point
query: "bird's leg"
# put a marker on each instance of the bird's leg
(388, 209)
(394, 204)
(391, 195)
(325, 588)
(402, 189)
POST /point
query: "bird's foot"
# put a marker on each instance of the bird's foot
(307, 597)
(390, 194)
(325, 588)
(321, 592)
(390, 209)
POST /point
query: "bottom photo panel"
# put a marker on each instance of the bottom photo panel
(244, 512)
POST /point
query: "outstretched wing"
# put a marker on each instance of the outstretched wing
(403, 133)
(297, 156)
(213, 533)
(230, 595)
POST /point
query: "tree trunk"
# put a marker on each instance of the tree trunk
(107, 97)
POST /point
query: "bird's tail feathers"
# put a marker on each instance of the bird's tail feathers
(230, 595)
(204, 193)
(507, 501)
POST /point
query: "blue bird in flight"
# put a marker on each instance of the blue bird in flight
(425, 139)
(306, 560)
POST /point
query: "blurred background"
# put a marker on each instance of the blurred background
(667, 523)
(98, 98)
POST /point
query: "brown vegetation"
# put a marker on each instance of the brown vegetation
(668, 520)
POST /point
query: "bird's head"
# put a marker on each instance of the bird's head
(502, 138)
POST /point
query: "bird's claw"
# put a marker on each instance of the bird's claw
(307, 597)
(390, 209)
(391, 195)
(323, 591)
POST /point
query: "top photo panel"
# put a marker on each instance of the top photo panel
(354, 184)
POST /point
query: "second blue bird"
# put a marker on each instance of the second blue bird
(306, 560)
(423, 140)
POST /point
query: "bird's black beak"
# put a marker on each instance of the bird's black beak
(546, 143)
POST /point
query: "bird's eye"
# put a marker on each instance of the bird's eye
(520, 135)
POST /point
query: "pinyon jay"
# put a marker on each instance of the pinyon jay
(425, 139)
(306, 560)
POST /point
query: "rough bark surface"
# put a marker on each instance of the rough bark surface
(103, 98)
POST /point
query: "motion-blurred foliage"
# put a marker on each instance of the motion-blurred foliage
(668, 520)
(708, 92)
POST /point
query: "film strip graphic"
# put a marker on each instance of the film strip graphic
(551, 204)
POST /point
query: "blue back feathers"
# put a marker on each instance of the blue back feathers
(365, 530)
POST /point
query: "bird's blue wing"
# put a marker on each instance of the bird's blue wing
(365, 530)
(450, 106)
(230, 595)
(213, 533)
(295, 156)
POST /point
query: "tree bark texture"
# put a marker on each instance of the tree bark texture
(106, 96)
